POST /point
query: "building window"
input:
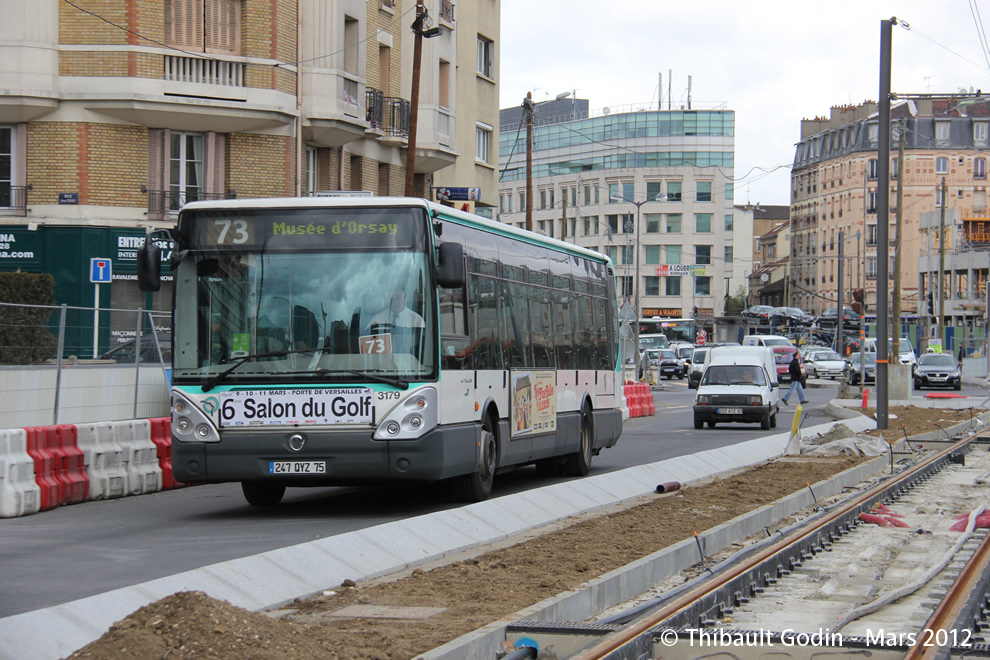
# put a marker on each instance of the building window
(980, 133)
(652, 190)
(591, 225)
(587, 195)
(703, 223)
(873, 169)
(673, 223)
(185, 169)
(703, 255)
(443, 81)
(652, 255)
(673, 191)
(486, 57)
(979, 168)
(652, 285)
(871, 234)
(939, 198)
(941, 165)
(205, 26)
(871, 201)
(703, 286)
(871, 268)
(873, 134)
(7, 169)
(522, 202)
(628, 255)
(483, 143)
(672, 254)
(543, 199)
(729, 191)
(352, 37)
(613, 193)
(941, 133)
(628, 225)
(310, 171)
(727, 254)
(729, 223)
(653, 223)
(672, 286)
(704, 193)
(894, 164)
(613, 253)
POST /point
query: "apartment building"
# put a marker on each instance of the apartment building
(652, 189)
(118, 112)
(834, 186)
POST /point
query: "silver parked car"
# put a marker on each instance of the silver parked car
(823, 363)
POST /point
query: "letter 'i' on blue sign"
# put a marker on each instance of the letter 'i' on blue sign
(99, 270)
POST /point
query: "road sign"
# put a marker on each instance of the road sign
(700, 339)
(99, 270)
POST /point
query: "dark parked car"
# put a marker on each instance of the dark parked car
(937, 370)
(791, 316)
(759, 312)
(854, 369)
(830, 317)
(123, 353)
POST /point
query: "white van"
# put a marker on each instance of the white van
(904, 347)
(766, 340)
(739, 385)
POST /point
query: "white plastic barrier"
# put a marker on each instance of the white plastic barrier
(104, 460)
(144, 474)
(20, 494)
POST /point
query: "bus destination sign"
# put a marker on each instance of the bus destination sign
(317, 229)
(351, 405)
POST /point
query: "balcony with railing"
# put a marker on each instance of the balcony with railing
(204, 71)
(397, 125)
(447, 11)
(13, 200)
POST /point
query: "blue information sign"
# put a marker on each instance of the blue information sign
(99, 270)
(458, 194)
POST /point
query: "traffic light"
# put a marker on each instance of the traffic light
(858, 300)
(695, 314)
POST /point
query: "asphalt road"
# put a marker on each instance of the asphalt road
(84, 549)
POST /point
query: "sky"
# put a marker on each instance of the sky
(772, 62)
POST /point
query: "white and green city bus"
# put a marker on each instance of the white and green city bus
(354, 341)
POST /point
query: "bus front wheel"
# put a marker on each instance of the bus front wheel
(578, 464)
(261, 493)
(477, 486)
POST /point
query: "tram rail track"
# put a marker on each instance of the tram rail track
(708, 609)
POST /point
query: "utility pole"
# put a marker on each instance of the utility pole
(941, 266)
(883, 227)
(528, 112)
(841, 317)
(895, 350)
(417, 27)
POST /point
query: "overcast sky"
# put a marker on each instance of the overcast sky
(773, 63)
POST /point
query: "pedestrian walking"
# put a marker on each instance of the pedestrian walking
(794, 371)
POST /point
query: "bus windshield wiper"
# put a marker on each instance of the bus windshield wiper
(394, 382)
(213, 382)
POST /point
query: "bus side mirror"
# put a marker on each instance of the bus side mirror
(450, 270)
(149, 265)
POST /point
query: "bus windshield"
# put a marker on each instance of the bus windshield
(321, 307)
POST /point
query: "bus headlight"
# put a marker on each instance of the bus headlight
(412, 418)
(190, 423)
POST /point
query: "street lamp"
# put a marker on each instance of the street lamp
(619, 198)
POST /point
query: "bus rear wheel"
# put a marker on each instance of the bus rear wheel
(477, 486)
(578, 464)
(261, 493)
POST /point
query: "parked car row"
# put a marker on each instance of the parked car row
(797, 317)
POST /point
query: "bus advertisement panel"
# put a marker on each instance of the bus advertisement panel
(352, 341)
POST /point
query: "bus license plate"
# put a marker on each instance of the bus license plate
(297, 467)
(729, 411)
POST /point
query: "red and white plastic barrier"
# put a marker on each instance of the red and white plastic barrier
(639, 399)
(42, 467)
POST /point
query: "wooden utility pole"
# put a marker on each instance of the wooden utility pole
(895, 350)
(414, 101)
(528, 113)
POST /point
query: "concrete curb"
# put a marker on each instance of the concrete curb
(273, 579)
